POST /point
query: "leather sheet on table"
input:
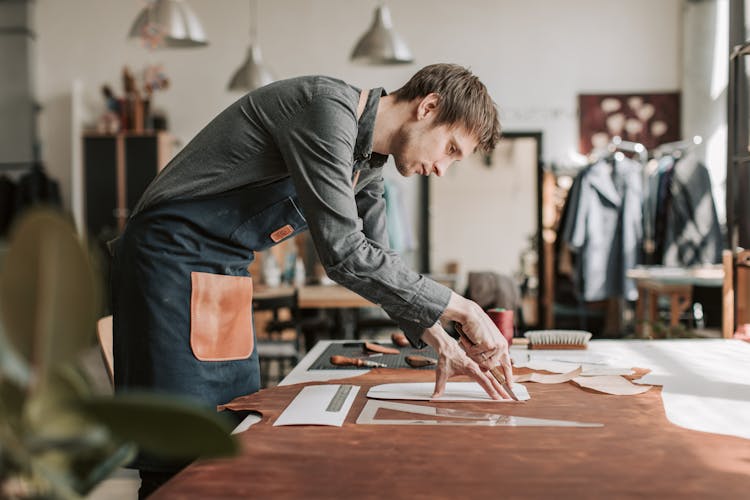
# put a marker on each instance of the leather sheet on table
(637, 453)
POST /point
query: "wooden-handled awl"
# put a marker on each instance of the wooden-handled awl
(495, 370)
(345, 361)
(420, 361)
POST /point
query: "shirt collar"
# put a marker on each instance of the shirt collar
(364, 157)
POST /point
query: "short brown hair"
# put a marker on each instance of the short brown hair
(464, 100)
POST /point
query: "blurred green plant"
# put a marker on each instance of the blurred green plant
(58, 437)
(661, 330)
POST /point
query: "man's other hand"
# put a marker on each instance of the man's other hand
(452, 360)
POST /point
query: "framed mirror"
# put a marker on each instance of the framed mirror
(484, 215)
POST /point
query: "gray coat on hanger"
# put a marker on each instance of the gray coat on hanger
(693, 232)
(604, 228)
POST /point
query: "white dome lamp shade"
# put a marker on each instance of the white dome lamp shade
(168, 24)
(381, 45)
(252, 74)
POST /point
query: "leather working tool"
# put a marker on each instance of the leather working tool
(370, 347)
(460, 417)
(373, 347)
(496, 371)
(420, 361)
(399, 339)
(345, 361)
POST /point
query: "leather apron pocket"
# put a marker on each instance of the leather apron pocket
(221, 326)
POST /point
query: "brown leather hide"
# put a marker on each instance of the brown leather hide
(638, 453)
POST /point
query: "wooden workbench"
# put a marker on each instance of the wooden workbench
(638, 453)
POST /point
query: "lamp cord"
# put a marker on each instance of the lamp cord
(253, 22)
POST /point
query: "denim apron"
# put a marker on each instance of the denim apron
(181, 293)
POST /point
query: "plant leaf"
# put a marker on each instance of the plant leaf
(104, 466)
(164, 426)
(12, 365)
(52, 413)
(48, 293)
(12, 399)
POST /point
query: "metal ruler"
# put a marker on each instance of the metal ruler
(338, 399)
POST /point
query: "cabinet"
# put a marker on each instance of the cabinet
(17, 101)
(117, 170)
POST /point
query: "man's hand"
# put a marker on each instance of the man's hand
(452, 360)
(485, 344)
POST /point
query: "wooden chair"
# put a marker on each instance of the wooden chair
(278, 341)
(736, 294)
(104, 334)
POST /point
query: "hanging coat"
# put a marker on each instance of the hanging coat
(604, 227)
(693, 235)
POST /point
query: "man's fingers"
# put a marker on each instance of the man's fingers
(464, 343)
(441, 378)
(487, 348)
(498, 386)
(487, 384)
(501, 390)
(507, 370)
(494, 360)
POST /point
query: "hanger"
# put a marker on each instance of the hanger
(677, 148)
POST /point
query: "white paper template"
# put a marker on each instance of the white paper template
(591, 364)
(597, 371)
(454, 391)
(313, 406)
(703, 380)
(542, 378)
(612, 384)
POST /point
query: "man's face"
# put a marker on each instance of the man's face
(424, 148)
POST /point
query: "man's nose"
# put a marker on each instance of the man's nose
(441, 166)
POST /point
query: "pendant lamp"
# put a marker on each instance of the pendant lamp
(168, 24)
(381, 45)
(253, 73)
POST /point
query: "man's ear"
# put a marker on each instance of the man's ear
(427, 105)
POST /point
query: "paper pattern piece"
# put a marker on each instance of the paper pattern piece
(701, 379)
(454, 391)
(542, 378)
(319, 405)
(612, 384)
(596, 371)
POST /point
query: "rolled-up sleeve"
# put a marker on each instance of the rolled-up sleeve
(317, 146)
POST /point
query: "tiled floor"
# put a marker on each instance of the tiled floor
(122, 485)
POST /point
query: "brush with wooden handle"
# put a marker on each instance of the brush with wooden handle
(345, 361)
(496, 371)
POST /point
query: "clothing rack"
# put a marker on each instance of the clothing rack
(615, 149)
(676, 148)
(617, 144)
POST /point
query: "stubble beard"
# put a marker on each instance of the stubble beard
(401, 142)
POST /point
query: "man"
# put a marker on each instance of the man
(301, 153)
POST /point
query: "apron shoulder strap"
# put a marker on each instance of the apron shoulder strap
(360, 109)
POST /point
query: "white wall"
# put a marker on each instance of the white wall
(482, 217)
(534, 55)
(705, 54)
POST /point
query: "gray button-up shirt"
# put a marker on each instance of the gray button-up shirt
(307, 128)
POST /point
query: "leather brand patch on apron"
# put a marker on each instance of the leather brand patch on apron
(281, 233)
(221, 326)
